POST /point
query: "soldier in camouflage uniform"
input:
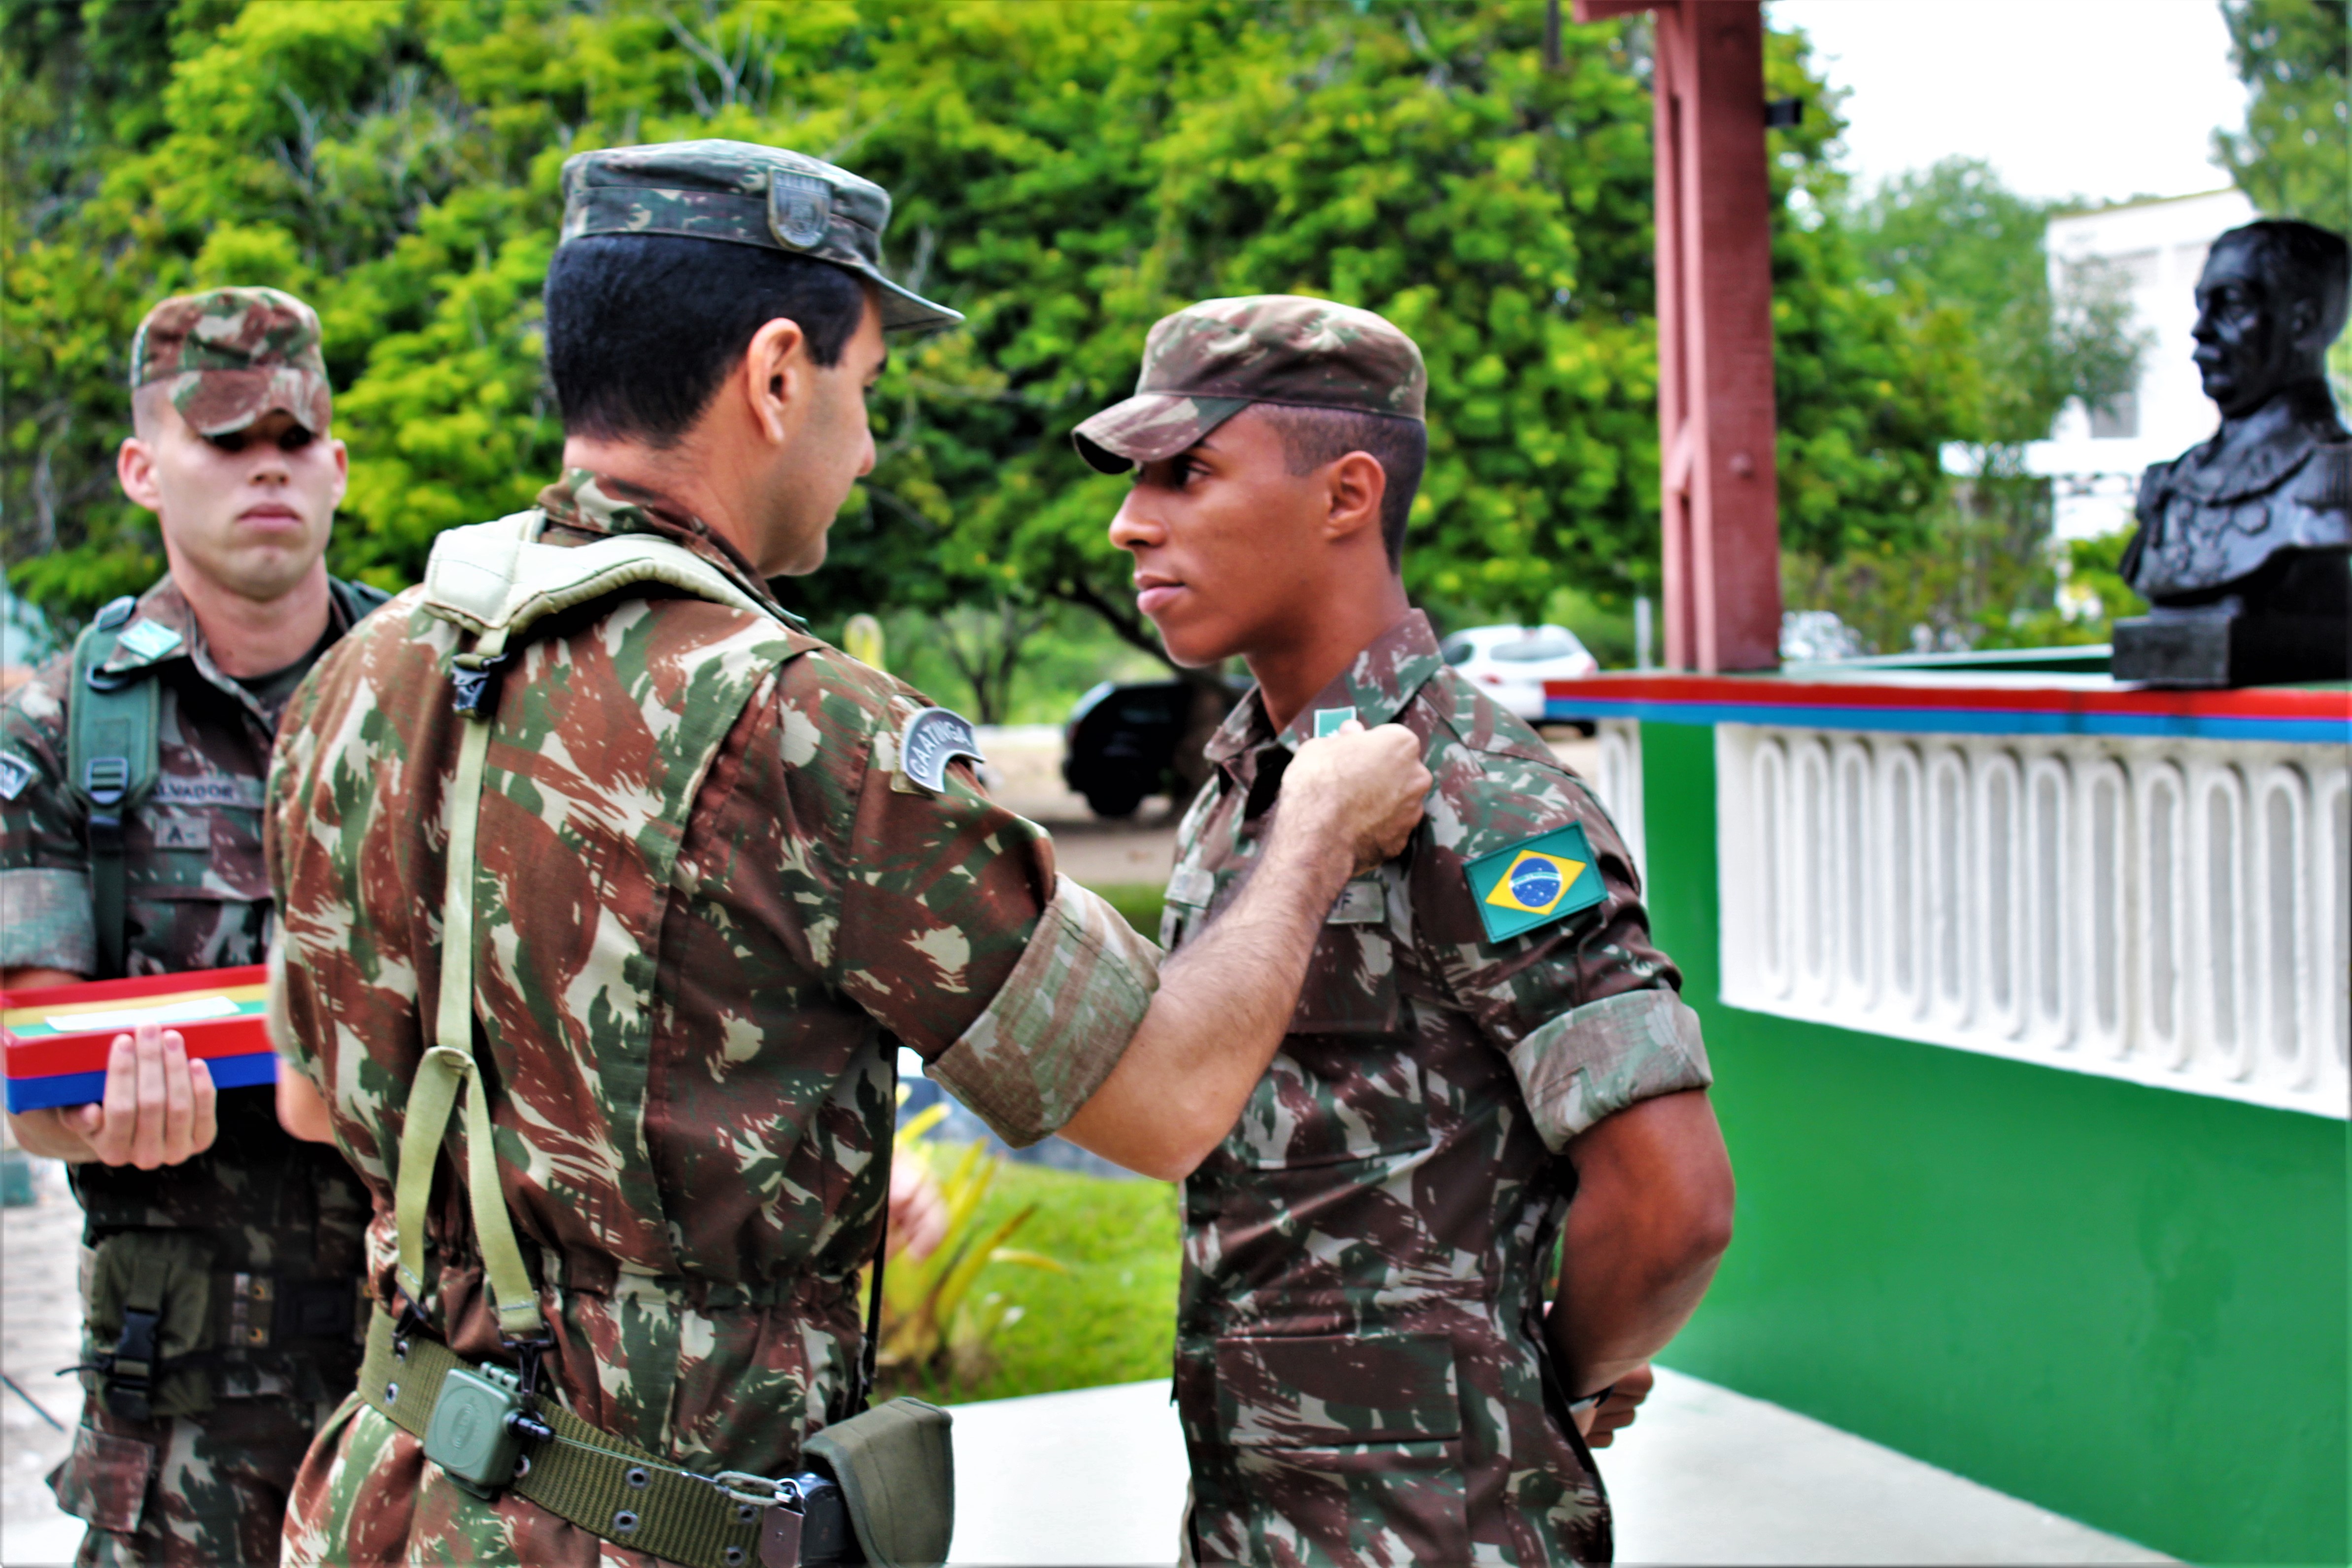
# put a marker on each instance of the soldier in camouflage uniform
(721, 880)
(233, 453)
(1364, 1367)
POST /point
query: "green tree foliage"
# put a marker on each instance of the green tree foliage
(1961, 260)
(1066, 173)
(1964, 256)
(2294, 156)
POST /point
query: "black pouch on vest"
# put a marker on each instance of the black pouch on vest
(151, 1324)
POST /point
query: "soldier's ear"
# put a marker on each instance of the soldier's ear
(775, 378)
(1355, 485)
(135, 469)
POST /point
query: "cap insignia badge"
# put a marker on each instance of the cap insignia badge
(799, 209)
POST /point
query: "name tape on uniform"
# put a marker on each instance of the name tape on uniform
(1534, 882)
(149, 640)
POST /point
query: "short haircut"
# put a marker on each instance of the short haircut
(2301, 257)
(147, 404)
(1399, 444)
(641, 331)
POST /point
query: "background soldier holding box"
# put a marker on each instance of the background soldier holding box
(238, 1244)
(1365, 1367)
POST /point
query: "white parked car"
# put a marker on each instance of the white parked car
(1510, 664)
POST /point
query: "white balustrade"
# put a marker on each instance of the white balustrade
(2177, 912)
(1619, 784)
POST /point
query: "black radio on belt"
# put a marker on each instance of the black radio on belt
(819, 1536)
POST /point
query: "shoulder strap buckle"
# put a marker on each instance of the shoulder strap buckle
(474, 683)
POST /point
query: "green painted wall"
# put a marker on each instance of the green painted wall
(2126, 1304)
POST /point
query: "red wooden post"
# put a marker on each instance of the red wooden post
(1719, 506)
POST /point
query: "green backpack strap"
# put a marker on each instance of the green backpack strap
(496, 580)
(110, 763)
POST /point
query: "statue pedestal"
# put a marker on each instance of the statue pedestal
(2222, 646)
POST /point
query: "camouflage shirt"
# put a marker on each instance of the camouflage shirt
(710, 906)
(197, 898)
(1360, 1363)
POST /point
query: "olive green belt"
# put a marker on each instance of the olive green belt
(607, 1485)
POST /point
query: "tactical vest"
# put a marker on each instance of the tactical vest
(259, 1297)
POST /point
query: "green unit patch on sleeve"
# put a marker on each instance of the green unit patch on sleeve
(1534, 882)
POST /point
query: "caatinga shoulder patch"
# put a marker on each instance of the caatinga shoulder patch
(1534, 882)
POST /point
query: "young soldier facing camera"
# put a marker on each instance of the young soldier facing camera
(224, 1259)
(1487, 1047)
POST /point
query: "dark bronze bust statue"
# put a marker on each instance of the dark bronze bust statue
(2244, 547)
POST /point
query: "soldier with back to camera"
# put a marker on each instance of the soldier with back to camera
(588, 844)
(1488, 1053)
(223, 1258)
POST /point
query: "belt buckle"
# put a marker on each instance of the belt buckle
(780, 1534)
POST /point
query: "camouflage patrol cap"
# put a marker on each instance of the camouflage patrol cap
(231, 356)
(1208, 361)
(748, 195)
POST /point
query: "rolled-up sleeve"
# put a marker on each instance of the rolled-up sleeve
(1587, 1009)
(46, 921)
(940, 914)
(1060, 1022)
(1594, 1061)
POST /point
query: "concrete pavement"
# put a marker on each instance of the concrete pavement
(1707, 1476)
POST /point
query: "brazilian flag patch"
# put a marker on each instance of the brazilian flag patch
(1534, 882)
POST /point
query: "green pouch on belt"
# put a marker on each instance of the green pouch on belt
(897, 1469)
(150, 1323)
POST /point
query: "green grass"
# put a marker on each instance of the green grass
(1111, 1318)
(1139, 901)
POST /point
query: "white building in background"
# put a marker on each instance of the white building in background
(2095, 457)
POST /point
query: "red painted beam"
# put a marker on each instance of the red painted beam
(1719, 510)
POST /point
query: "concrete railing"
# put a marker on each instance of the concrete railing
(1618, 784)
(2174, 912)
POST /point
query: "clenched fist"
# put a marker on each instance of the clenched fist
(1358, 790)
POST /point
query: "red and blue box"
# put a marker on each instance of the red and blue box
(56, 1038)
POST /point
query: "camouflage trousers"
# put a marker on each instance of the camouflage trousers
(1437, 1440)
(204, 1492)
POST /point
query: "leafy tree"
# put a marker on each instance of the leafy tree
(2294, 156)
(1066, 173)
(1965, 256)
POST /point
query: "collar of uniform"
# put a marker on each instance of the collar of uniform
(592, 503)
(1377, 683)
(166, 610)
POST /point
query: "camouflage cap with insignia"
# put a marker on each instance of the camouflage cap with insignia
(230, 355)
(747, 195)
(1208, 361)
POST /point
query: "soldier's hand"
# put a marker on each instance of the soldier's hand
(919, 1211)
(1601, 1424)
(1358, 788)
(159, 1105)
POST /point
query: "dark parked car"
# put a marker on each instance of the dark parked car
(1124, 743)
